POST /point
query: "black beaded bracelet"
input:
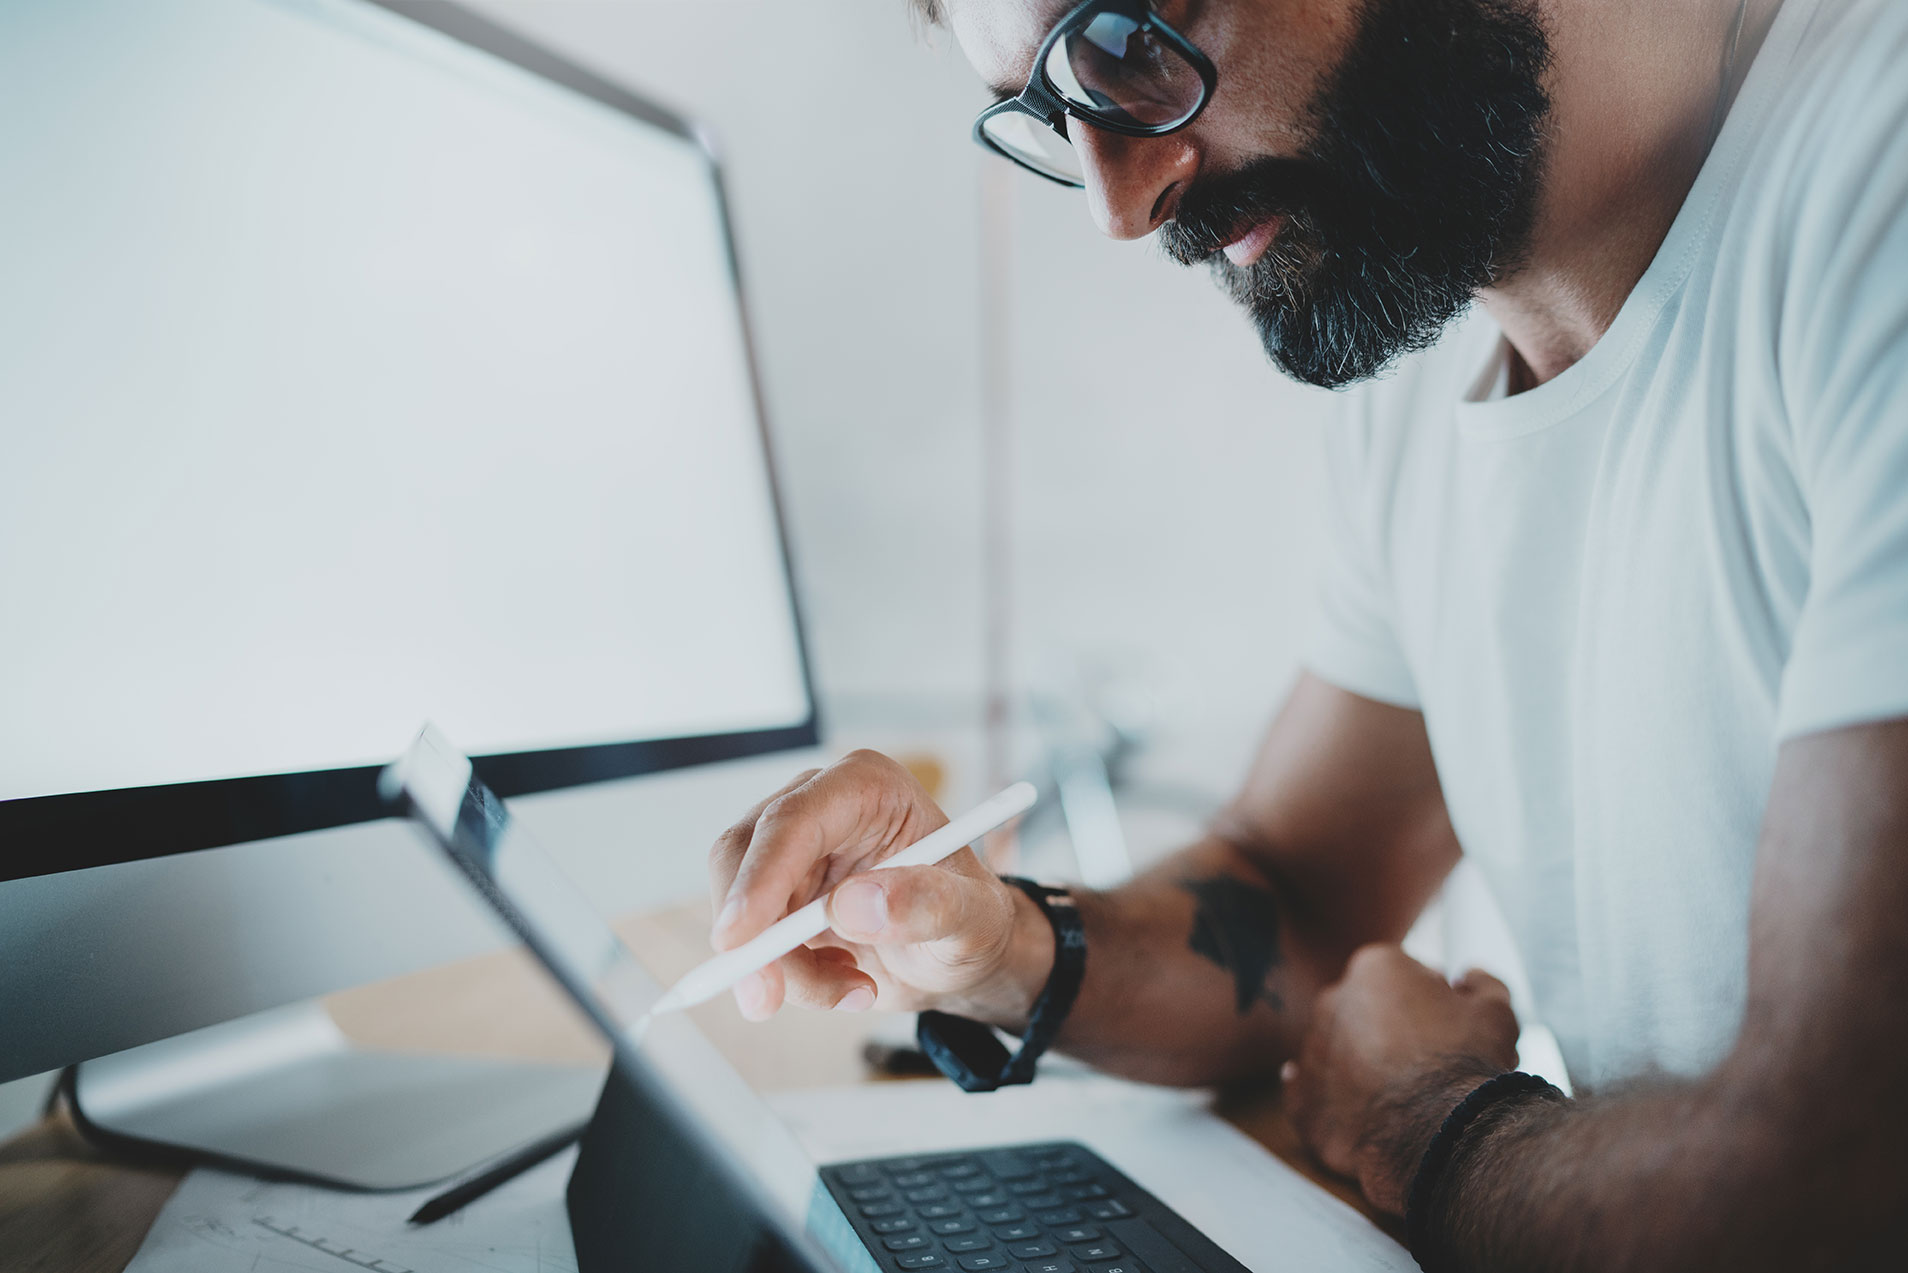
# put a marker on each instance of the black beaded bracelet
(1438, 1154)
(968, 1051)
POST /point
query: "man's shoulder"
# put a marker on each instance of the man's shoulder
(1819, 226)
(1840, 108)
(1844, 36)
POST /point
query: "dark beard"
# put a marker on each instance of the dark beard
(1418, 189)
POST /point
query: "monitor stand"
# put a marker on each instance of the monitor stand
(285, 1092)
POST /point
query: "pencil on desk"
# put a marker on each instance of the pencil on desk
(509, 1167)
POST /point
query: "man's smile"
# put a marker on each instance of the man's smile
(1251, 245)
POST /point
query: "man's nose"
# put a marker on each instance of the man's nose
(1133, 184)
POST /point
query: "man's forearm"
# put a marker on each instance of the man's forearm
(1199, 971)
(1675, 1176)
(1207, 966)
(1789, 1155)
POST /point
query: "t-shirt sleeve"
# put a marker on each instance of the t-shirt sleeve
(1353, 642)
(1843, 345)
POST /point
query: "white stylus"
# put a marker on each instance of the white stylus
(711, 977)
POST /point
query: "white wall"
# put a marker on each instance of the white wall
(1167, 479)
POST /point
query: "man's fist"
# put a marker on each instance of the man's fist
(1388, 1037)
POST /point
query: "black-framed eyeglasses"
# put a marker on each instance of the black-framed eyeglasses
(1114, 64)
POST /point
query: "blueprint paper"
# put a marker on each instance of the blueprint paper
(1266, 1215)
(222, 1222)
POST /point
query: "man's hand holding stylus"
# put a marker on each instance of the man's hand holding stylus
(1203, 968)
(950, 936)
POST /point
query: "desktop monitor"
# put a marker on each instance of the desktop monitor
(361, 364)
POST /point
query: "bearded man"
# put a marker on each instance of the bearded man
(1617, 607)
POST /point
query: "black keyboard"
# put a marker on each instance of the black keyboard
(1049, 1208)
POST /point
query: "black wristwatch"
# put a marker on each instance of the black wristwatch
(969, 1052)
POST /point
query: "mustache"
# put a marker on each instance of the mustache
(1218, 209)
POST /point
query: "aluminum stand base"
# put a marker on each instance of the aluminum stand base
(285, 1093)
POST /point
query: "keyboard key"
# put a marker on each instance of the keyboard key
(905, 1242)
(914, 1179)
(1069, 1177)
(1043, 1201)
(1060, 1215)
(1053, 1264)
(1016, 1232)
(1079, 1193)
(984, 1260)
(868, 1193)
(899, 1224)
(992, 1198)
(907, 1165)
(956, 1168)
(1032, 1250)
(1128, 1265)
(1101, 1250)
(875, 1210)
(934, 1194)
(1071, 1233)
(1031, 1184)
(968, 1242)
(1002, 1215)
(860, 1173)
(974, 1183)
(921, 1260)
(1111, 1209)
(1008, 1165)
(960, 1224)
(934, 1210)
(1056, 1160)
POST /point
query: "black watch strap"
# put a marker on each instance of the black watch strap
(969, 1052)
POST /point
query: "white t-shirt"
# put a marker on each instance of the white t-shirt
(1615, 595)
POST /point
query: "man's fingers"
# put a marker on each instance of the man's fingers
(830, 953)
(823, 979)
(725, 857)
(759, 994)
(855, 811)
(810, 977)
(913, 904)
(1483, 985)
(1494, 1000)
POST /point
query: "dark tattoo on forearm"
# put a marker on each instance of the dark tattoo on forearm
(1236, 925)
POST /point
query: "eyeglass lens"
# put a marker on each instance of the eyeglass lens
(1034, 144)
(1114, 69)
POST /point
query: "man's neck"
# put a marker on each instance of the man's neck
(1635, 88)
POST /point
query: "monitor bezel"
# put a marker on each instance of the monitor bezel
(52, 834)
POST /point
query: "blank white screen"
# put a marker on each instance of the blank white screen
(351, 378)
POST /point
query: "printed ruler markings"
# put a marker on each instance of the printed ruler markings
(316, 1243)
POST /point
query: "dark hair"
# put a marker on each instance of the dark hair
(929, 11)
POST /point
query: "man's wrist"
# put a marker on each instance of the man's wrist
(1434, 1192)
(1007, 999)
(1408, 1120)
